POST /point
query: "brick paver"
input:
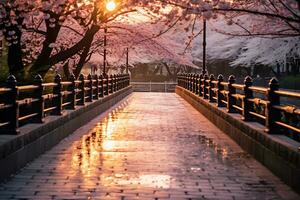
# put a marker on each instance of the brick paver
(152, 146)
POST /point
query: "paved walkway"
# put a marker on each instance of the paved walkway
(152, 146)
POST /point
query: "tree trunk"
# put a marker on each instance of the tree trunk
(42, 65)
(63, 55)
(168, 69)
(14, 60)
(82, 60)
(155, 70)
(14, 57)
(66, 70)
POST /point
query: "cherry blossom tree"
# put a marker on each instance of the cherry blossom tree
(45, 33)
(280, 18)
(46, 20)
(246, 51)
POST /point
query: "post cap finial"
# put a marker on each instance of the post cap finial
(38, 79)
(57, 78)
(274, 84)
(231, 79)
(81, 77)
(220, 77)
(212, 77)
(248, 81)
(11, 80)
(72, 77)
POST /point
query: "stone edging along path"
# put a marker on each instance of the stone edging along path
(34, 139)
(277, 152)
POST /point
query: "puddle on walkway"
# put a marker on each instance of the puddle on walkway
(223, 152)
(99, 153)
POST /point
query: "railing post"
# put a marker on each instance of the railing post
(193, 83)
(184, 81)
(110, 81)
(190, 82)
(38, 94)
(118, 82)
(248, 94)
(101, 86)
(124, 80)
(121, 81)
(96, 96)
(128, 76)
(231, 91)
(196, 76)
(205, 85)
(201, 85)
(219, 90)
(187, 81)
(82, 90)
(72, 89)
(12, 99)
(181, 80)
(58, 99)
(106, 85)
(90, 85)
(197, 84)
(272, 115)
(211, 87)
(115, 82)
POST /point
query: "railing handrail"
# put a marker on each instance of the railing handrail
(33, 106)
(241, 98)
(153, 83)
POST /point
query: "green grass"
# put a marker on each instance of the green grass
(291, 78)
(290, 82)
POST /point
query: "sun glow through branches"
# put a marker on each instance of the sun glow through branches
(111, 6)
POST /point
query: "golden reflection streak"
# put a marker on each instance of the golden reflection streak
(97, 150)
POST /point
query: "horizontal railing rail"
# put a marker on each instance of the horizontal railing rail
(260, 104)
(20, 105)
(154, 86)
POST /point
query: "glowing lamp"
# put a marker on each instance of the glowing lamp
(111, 6)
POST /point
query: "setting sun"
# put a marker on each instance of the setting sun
(111, 5)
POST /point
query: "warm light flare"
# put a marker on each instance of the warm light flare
(111, 6)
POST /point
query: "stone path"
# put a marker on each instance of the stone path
(152, 146)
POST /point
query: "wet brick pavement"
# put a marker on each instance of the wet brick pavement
(151, 146)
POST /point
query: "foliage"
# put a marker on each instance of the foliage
(290, 82)
(46, 33)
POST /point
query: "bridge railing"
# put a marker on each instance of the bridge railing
(261, 104)
(20, 105)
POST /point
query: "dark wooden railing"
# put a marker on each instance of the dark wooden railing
(263, 105)
(21, 105)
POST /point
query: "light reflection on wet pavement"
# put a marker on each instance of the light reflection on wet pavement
(152, 146)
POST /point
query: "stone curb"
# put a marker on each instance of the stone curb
(34, 139)
(277, 152)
